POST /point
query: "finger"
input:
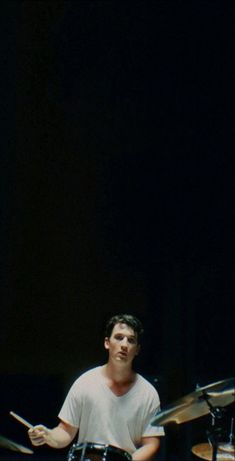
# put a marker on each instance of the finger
(37, 434)
(37, 429)
(38, 442)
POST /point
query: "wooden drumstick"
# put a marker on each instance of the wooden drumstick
(21, 420)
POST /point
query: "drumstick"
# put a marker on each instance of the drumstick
(21, 420)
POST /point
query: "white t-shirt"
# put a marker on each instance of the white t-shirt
(104, 418)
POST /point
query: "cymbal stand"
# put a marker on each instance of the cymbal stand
(231, 436)
(213, 435)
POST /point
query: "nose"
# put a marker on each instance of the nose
(124, 343)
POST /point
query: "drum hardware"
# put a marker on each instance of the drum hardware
(215, 432)
(97, 452)
(204, 400)
(229, 447)
(10, 445)
(205, 451)
(198, 403)
(220, 451)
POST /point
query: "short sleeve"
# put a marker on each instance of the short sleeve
(152, 409)
(72, 407)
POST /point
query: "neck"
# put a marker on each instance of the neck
(119, 373)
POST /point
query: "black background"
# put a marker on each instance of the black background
(117, 196)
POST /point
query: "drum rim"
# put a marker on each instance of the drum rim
(100, 446)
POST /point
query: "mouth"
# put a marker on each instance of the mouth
(122, 353)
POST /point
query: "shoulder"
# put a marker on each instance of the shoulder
(145, 382)
(93, 372)
(88, 377)
(146, 387)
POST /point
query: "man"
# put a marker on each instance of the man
(110, 404)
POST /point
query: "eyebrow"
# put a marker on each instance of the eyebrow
(122, 334)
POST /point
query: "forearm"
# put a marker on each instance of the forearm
(58, 438)
(147, 451)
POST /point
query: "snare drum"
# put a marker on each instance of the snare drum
(97, 452)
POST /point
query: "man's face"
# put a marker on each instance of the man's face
(122, 344)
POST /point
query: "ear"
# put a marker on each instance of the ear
(106, 343)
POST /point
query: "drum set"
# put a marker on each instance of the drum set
(211, 399)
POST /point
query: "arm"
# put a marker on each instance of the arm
(149, 447)
(58, 437)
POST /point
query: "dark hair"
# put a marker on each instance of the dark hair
(129, 320)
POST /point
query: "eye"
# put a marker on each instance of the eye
(132, 340)
(119, 337)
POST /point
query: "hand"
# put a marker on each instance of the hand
(39, 435)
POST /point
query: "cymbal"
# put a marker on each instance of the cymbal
(228, 447)
(7, 443)
(205, 451)
(194, 405)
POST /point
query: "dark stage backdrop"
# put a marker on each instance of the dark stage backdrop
(117, 195)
